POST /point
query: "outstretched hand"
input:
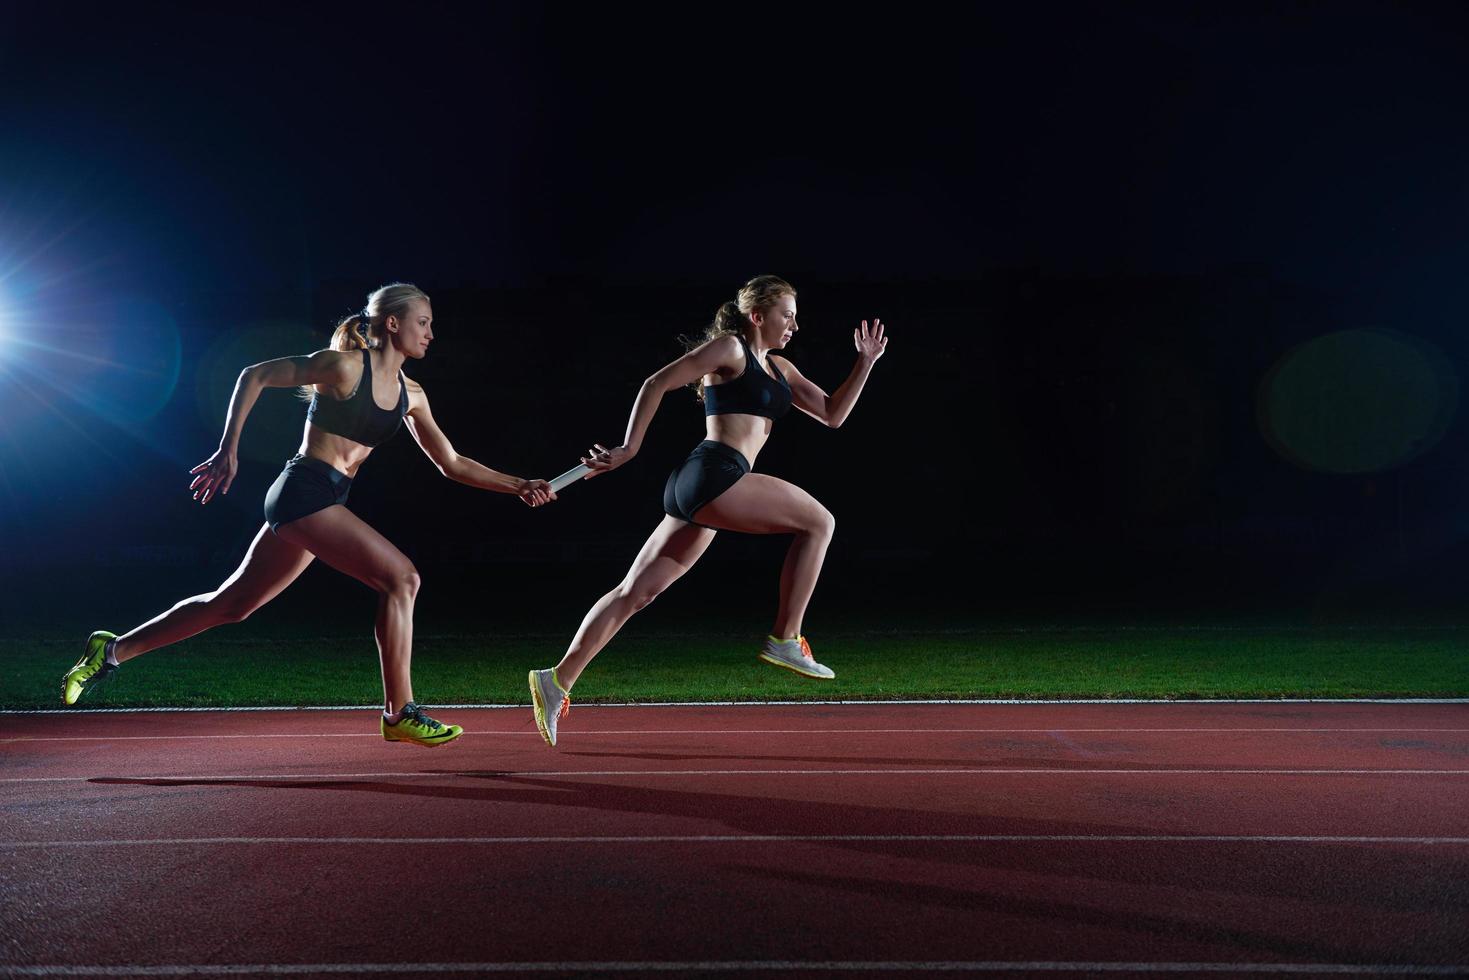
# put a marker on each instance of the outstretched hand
(604, 460)
(536, 492)
(215, 475)
(870, 345)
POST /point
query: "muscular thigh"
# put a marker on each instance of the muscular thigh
(269, 566)
(761, 504)
(347, 543)
(670, 550)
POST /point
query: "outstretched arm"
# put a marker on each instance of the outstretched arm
(328, 367)
(721, 352)
(436, 446)
(833, 409)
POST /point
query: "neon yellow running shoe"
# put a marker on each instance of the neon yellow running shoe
(90, 671)
(550, 701)
(419, 728)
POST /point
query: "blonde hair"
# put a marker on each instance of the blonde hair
(733, 317)
(365, 329)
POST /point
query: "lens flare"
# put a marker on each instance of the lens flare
(1357, 401)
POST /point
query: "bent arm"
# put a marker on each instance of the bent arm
(832, 409)
(705, 359)
(324, 367)
(436, 446)
(216, 473)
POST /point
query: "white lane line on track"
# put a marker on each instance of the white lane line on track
(760, 731)
(870, 703)
(750, 839)
(206, 779)
(743, 966)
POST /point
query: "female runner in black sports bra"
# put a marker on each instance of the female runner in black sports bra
(360, 399)
(746, 388)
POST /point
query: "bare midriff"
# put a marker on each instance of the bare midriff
(747, 433)
(338, 452)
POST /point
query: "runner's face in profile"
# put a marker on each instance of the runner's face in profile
(415, 330)
(776, 324)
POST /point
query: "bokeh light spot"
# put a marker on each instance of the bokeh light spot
(141, 340)
(1357, 401)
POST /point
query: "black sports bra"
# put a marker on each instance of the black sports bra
(357, 416)
(753, 392)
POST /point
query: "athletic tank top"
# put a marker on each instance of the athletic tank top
(752, 393)
(357, 416)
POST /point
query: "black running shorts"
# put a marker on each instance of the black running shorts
(304, 487)
(711, 469)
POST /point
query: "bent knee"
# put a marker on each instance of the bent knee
(228, 610)
(638, 596)
(403, 584)
(821, 523)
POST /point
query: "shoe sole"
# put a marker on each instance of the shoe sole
(66, 695)
(539, 707)
(86, 655)
(67, 682)
(794, 669)
(427, 745)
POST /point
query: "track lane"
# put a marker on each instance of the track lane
(1096, 896)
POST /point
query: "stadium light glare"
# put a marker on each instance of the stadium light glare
(5, 339)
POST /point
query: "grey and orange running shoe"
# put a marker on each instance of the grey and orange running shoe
(794, 655)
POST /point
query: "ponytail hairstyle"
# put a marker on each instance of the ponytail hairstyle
(733, 317)
(365, 329)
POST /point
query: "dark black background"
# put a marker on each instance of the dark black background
(1093, 230)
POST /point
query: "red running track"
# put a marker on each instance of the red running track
(1014, 840)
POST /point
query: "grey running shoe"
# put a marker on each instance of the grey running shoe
(794, 655)
(551, 702)
(91, 671)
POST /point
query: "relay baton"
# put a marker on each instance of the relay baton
(569, 477)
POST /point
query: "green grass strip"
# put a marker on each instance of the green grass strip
(225, 669)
